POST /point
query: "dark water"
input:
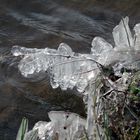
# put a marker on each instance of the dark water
(46, 23)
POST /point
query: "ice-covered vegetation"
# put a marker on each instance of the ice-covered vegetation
(103, 77)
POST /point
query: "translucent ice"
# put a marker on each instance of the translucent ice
(122, 34)
(66, 68)
(101, 50)
(63, 126)
(137, 37)
(34, 60)
(19, 50)
(67, 125)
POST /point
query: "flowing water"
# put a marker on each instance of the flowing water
(46, 23)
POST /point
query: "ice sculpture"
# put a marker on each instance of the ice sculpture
(63, 126)
(68, 69)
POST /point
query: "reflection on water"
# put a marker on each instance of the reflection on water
(46, 23)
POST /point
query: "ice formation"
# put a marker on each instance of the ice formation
(63, 126)
(122, 35)
(68, 69)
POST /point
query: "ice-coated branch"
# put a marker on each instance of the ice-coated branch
(68, 69)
